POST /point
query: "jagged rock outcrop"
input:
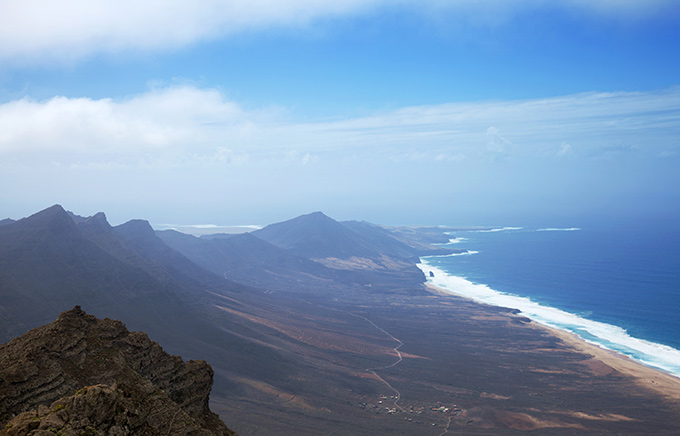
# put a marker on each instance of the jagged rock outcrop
(125, 409)
(85, 375)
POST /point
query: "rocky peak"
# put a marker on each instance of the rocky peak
(97, 219)
(136, 229)
(121, 410)
(97, 229)
(54, 218)
(48, 367)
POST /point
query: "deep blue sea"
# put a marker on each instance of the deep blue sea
(615, 286)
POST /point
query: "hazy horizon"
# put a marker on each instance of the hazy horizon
(433, 113)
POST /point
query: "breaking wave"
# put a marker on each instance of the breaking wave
(497, 229)
(605, 335)
(553, 229)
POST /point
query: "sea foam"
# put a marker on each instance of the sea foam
(464, 253)
(452, 241)
(554, 229)
(496, 229)
(605, 335)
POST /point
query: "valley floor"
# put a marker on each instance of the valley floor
(438, 364)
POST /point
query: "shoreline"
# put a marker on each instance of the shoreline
(655, 379)
(607, 336)
(646, 376)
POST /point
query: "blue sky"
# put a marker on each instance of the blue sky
(399, 112)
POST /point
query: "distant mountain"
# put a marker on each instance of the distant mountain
(140, 236)
(316, 236)
(50, 263)
(6, 221)
(359, 252)
(84, 375)
(246, 259)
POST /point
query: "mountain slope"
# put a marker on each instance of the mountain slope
(250, 260)
(386, 242)
(140, 237)
(381, 240)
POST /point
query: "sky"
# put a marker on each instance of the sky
(459, 112)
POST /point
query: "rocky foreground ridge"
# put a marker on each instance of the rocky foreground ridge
(83, 375)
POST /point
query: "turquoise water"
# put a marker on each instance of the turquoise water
(615, 286)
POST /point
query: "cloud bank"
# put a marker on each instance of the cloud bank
(46, 31)
(156, 120)
(76, 28)
(186, 125)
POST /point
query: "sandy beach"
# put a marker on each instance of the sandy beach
(652, 378)
(604, 361)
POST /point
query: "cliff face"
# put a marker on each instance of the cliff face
(92, 375)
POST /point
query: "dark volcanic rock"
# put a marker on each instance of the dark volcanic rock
(58, 365)
(125, 409)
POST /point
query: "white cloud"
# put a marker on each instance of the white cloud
(185, 125)
(46, 31)
(157, 120)
(74, 28)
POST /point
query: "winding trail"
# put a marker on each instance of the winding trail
(373, 370)
(399, 359)
(398, 354)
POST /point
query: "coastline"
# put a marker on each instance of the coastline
(604, 361)
(605, 335)
(645, 376)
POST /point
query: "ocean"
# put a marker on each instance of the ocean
(614, 286)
